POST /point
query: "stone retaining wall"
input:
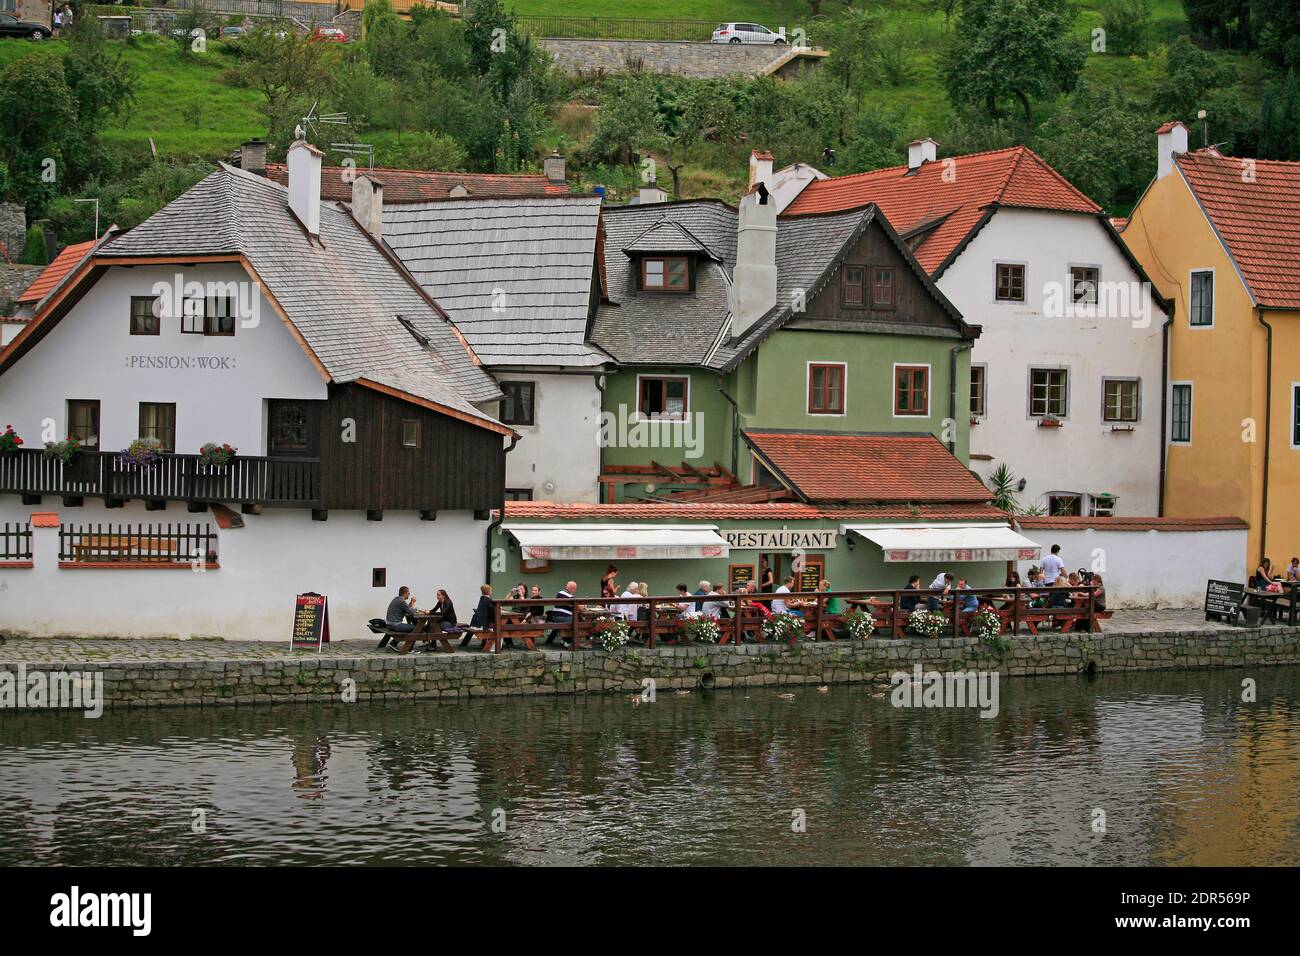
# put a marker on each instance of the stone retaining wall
(379, 677)
(680, 57)
(14, 280)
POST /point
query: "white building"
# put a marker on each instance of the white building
(250, 314)
(1066, 376)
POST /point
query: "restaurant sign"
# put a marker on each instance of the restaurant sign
(767, 539)
(945, 555)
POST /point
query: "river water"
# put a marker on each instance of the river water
(1154, 768)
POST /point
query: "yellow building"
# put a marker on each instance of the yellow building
(1220, 237)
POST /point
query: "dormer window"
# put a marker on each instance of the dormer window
(666, 274)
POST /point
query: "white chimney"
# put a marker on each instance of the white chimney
(368, 204)
(650, 193)
(1171, 139)
(753, 284)
(304, 184)
(921, 151)
(760, 168)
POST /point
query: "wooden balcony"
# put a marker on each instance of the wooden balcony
(244, 480)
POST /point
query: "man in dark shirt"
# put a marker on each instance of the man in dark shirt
(561, 614)
(399, 617)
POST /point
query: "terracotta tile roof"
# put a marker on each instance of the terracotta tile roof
(943, 202)
(830, 466)
(774, 511)
(1256, 215)
(1133, 524)
(63, 263)
(420, 185)
(1119, 222)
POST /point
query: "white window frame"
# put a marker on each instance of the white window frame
(1106, 380)
(844, 387)
(985, 382)
(1070, 267)
(1214, 293)
(686, 411)
(929, 391)
(1029, 393)
(1191, 413)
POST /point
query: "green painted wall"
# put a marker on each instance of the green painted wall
(861, 567)
(782, 401)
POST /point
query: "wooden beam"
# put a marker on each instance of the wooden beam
(31, 499)
(155, 504)
(429, 515)
(73, 501)
(375, 514)
(250, 509)
(196, 507)
(320, 514)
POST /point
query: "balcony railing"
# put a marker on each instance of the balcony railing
(243, 480)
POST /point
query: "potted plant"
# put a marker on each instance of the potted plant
(611, 633)
(701, 629)
(860, 624)
(141, 453)
(64, 451)
(782, 627)
(216, 456)
(1049, 421)
(986, 624)
(926, 623)
(10, 440)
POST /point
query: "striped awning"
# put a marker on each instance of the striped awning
(948, 543)
(603, 542)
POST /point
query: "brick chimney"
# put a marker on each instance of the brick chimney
(304, 184)
(252, 157)
(553, 166)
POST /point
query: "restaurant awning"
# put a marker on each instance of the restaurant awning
(947, 543)
(603, 542)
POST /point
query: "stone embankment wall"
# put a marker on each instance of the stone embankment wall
(384, 677)
(680, 57)
(14, 280)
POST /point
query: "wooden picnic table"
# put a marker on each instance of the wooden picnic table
(1272, 603)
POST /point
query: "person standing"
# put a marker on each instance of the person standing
(1053, 566)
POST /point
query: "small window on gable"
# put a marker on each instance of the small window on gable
(517, 407)
(1121, 399)
(978, 390)
(1083, 284)
(214, 315)
(911, 390)
(663, 397)
(666, 274)
(410, 433)
(853, 292)
(882, 287)
(1202, 313)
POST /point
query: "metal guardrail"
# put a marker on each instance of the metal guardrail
(617, 28)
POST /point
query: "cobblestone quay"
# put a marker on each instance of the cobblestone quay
(211, 673)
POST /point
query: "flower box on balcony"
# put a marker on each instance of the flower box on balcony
(1050, 423)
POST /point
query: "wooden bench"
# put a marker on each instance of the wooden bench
(492, 641)
(405, 641)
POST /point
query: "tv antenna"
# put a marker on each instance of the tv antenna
(356, 150)
(329, 119)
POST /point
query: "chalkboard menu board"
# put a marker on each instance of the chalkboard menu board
(739, 574)
(311, 622)
(810, 578)
(1223, 599)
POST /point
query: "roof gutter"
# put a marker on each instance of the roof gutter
(735, 430)
(1165, 348)
(952, 391)
(501, 516)
(1268, 433)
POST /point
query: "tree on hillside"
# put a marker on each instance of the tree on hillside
(38, 127)
(1279, 121)
(628, 118)
(1225, 24)
(1100, 140)
(1127, 23)
(1188, 76)
(103, 85)
(290, 73)
(483, 19)
(1013, 49)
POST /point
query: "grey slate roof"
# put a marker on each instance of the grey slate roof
(344, 295)
(515, 274)
(651, 329)
(667, 236)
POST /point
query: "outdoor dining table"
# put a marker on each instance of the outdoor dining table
(1269, 601)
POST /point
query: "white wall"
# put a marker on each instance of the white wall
(1083, 456)
(9, 331)
(1148, 568)
(278, 554)
(561, 447)
(91, 354)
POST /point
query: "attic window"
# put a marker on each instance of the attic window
(666, 274)
(415, 334)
